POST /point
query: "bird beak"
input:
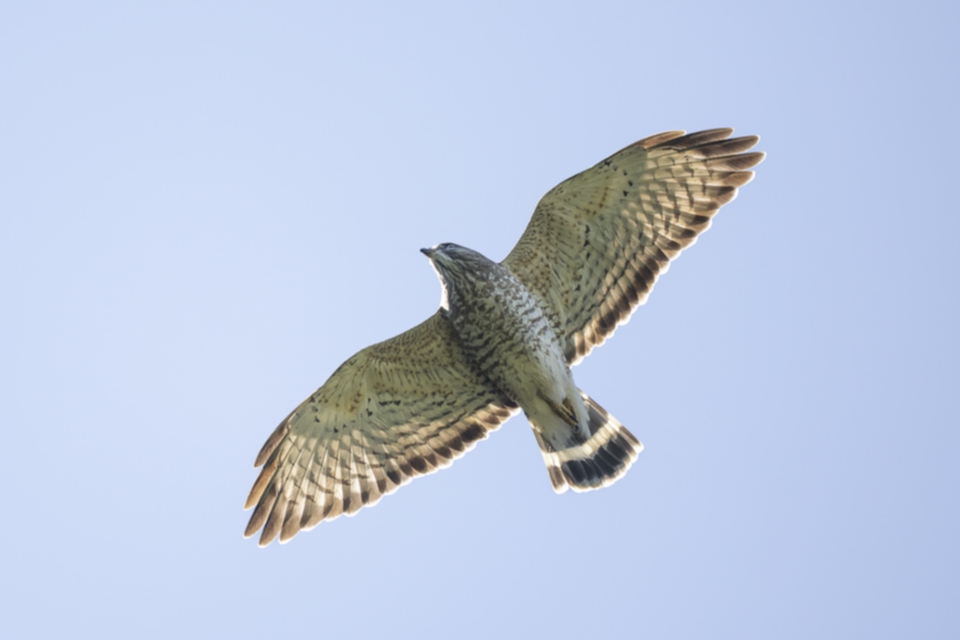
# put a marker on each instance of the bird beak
(427, 252)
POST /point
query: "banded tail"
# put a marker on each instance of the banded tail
(598, 462)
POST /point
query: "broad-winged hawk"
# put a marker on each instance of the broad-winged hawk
(504, 339)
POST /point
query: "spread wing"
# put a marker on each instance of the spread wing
(598, 242)
(395, 410)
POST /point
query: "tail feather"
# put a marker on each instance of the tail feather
(598, 462)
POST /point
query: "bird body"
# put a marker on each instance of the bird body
(504, 338)
(505, 331)
(507, 334)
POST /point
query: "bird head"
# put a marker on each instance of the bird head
(456, 267)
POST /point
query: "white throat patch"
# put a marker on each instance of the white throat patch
(444, 299)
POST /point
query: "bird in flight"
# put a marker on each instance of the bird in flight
(504, 339)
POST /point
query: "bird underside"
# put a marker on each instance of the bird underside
(408, 406)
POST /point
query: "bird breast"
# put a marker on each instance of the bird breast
(507, 334)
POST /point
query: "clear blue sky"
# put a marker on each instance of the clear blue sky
(206, 207)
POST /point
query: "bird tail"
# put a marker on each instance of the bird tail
(598, 462)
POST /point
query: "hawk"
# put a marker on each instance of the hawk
(504, 339)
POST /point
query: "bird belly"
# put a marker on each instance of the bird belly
(513, 343)
(548, 396)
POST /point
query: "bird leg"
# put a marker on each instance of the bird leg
(565, 409)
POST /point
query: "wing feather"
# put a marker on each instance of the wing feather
(598, 242)
(396, 410)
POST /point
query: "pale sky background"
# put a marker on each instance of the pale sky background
(207, 207)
